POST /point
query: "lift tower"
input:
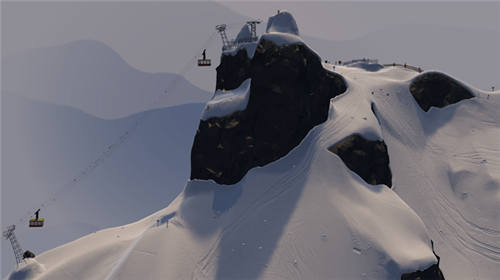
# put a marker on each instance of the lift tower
(221, 28)
(18, 252)
(253, 31)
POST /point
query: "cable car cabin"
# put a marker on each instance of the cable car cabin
(204, 62)
(36, 222)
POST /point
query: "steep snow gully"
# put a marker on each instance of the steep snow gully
(307, 214)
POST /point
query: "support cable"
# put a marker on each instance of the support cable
(112, 148)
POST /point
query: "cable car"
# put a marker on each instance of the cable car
(36, 222)
(204, 61)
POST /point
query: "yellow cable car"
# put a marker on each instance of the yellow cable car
(204, 61)
(36, 222)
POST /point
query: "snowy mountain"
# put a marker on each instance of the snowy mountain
(90, 76)
(306, 170)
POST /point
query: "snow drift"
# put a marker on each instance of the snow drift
(308, 216)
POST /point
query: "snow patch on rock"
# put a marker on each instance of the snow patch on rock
(282, 30)
(248, 46)
(243, 41)
(226, 102)
(281, 39)
(283, 22)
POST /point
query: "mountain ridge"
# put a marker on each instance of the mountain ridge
(91, 76)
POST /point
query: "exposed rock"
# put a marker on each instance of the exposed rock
(368, 159)
(28, 254)
(431, 273)
(290, 93)
(233, 70)
(438, 90)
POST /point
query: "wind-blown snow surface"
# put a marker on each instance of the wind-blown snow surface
(306, 216)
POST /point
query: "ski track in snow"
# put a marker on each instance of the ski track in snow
(119, 263)
(451, 225)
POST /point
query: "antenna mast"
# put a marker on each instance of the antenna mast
(18, 252)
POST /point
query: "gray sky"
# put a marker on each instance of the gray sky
(165, 36)
(340, 20)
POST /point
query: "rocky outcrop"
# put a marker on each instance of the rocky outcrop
(233, 70)
(438, 90)
(368, 159)
(28, 254)
(290, 93)
(431, 273)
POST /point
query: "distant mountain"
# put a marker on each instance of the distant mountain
(44, 146)
(92, 77)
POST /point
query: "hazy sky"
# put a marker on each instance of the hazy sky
(340, 20)
(167, 36)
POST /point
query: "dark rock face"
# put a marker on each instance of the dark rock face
(431, 273)
(290, 93)
(438, 90)
(233, 70)
(28, 254)
(368, 159)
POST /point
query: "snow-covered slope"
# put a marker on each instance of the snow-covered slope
(92, 77)
(307, 216)
(444, 165)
